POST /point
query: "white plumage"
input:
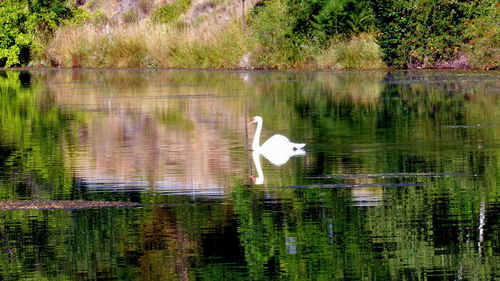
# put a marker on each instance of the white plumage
(278, 148)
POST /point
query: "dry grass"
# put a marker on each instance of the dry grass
(360, 52)
(208, 38)
(215, 40)
(89, 46)
(147, 45)
(125, 48)
(224, 50)
(72, 46)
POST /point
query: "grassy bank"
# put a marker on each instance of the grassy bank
(280, 34)
(143, 45)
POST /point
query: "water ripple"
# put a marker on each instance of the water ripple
(345, 185)
(391, 175)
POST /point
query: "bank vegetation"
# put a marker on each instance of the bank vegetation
(253, 34)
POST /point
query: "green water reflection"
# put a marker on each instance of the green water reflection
(400, 180)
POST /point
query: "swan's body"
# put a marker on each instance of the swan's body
(278, 148)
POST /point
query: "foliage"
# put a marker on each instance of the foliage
(170, 11)
(322, 19)
(289, 32)
(79, 16)
(21, 21)
(278, 45)
(14, 40)
(285, 33)
(482, 37)
(46, 15)
(421, 33)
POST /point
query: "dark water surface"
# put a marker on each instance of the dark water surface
(400, 179)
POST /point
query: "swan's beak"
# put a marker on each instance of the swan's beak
(251, 122)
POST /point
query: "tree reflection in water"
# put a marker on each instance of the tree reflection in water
(401, 174)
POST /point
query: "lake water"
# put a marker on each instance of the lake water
(399, 180)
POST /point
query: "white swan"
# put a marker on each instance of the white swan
(278, 148)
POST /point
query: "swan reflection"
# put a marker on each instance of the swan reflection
(277, 158)
(260, 175)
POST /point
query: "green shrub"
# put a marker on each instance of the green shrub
(278, 45)
(421, 33)
(290, 32)
(14, 39)
(436, 28)
(482, 37)
(169, 12)
(21, 21)
(323, 19)
(80, 16)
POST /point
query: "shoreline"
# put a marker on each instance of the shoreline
(21, 68)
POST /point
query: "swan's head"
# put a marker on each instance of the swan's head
(256, 119)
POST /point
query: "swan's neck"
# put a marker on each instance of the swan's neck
(258, 167)
(256, 137)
